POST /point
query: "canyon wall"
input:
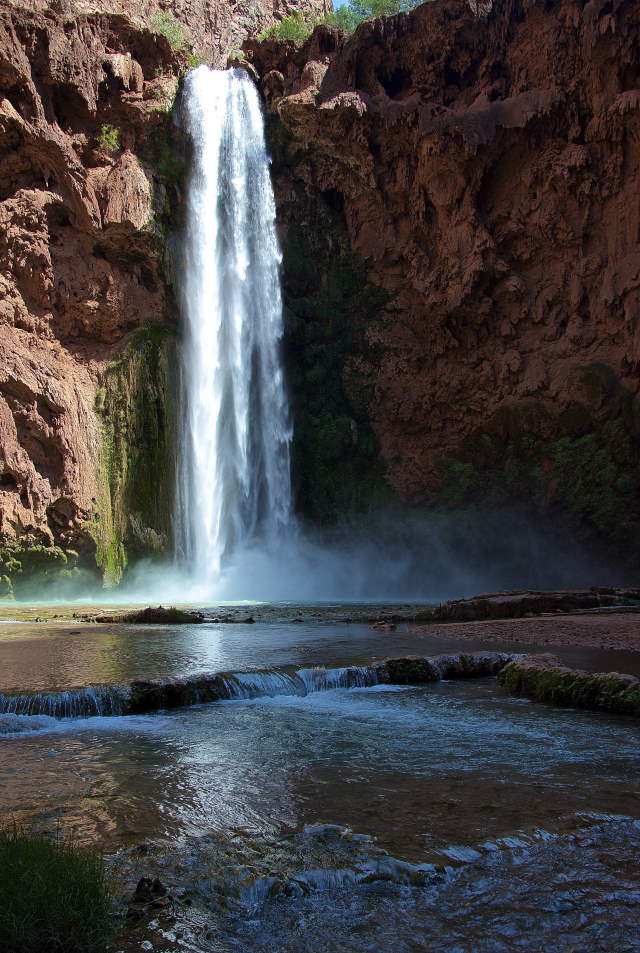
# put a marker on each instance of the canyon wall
(458, 199)
(457, 195)
(90, 181)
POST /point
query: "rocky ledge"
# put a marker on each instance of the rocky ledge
(545, 678)
(512, 604)
(149, 616)
(145, 695)
(542, 678)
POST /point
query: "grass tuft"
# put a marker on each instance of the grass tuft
(170, 28)
(54, 896)
(109, 139)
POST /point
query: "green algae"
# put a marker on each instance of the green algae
(560, 686)
(135, 408)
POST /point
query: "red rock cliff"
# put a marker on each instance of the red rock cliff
(486, 170)
(88, 177)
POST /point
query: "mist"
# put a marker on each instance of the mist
(393, 556)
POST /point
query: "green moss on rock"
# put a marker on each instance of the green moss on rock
(329, 305)
(546, 679)
(411, 671)
(135, 407)
(32, 565)
(582, 464)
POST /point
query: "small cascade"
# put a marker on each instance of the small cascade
(320, 858)
(305, 681)
(246, 888)
(321, 679)
(146, 695)
(74, 703)
(263, 684)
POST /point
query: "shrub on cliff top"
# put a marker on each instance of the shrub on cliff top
(353, 12)
(169, 27)
(295, 28)
(54, 896)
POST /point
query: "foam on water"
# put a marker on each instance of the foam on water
(102, 700)
(20, 725)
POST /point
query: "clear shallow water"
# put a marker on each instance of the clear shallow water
(39, 657)
(416, 767)
(577, 895)
(421, 769)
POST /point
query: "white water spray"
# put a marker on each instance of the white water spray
(234, 484)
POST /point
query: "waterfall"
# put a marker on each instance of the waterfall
(233, 471)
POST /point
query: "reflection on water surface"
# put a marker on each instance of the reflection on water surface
(455, 763)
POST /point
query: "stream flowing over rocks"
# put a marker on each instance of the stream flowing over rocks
(299, 783)
(143, 696)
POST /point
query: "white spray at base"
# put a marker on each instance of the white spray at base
(233, 479)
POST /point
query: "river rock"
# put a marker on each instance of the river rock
(545, 678)
(150, 616)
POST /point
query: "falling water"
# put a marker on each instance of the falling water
(233, 474)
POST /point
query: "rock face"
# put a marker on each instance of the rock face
(483, 171)
(79, 255)
(89, 180)
(212, 28)
(457, 192)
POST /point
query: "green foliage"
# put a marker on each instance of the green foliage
(583, 465)
(135, 496)
(55, 897)
(353, 12)
(169, 27)
(296, 28)
(345, 18)
(596, 477)
(170, 165)
(329, 306)
(196, 59)
(109, 138)
(163, 153)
